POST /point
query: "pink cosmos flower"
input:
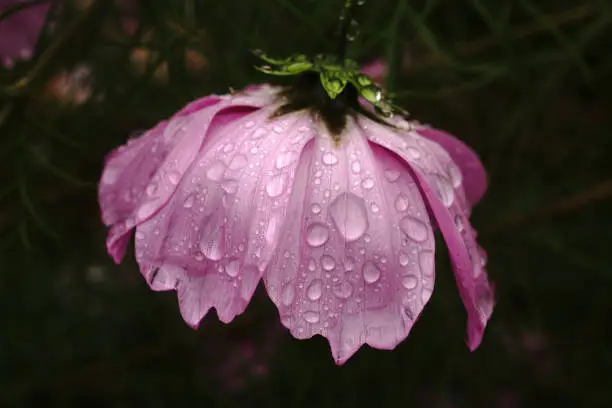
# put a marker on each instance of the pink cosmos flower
(20, 31)
(341, 229)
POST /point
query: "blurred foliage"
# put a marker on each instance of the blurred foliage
(527, 83)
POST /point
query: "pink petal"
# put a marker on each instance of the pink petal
(432, 167)
(215, 236)
(19, 33)
(376, 70)
(129, 169)
(355, 261)
(140, 178)
(473, 174)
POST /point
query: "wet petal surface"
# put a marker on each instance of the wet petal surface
(352, 265)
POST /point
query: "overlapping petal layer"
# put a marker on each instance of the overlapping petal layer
(356, 260)
(216, 235)
(141, 176)
(441, 183)
(472, 175)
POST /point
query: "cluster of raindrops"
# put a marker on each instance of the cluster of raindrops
(231, 203)
(446, 179)
(349, 267)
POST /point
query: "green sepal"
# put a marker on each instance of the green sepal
(335, 75)
(283, 71)
(333, 82)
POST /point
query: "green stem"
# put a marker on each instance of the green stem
(395, 51)
(346, 20)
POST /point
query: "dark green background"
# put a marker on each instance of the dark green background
(525, 82)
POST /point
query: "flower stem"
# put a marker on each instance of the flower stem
(347, 26)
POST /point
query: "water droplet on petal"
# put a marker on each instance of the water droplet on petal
(174, 177)
(311, 317)
(312, 265)
(409, 282)
(146, 210)
(238, 162)
(455, 175)
(110, 175)
(315, 290)
(483, 256)
(232, 268)
(276, 185)
(375, 208)
(215, 171)
(349, 264)
(286, 159)
(349, 215)
(356, 167)
(151, 189)
(367, 183)
(328, 262)
(230, 186)
(259, 133)
(343, 290)
(249, 124)
(330, 159)
(273, 230)
(317, 235)
(401, 203)
(445, 191)
(414, 228)
(392, 175)
(288, 294)
(211, 246)
(371, 273)
(315, 208)
(426, 262)
(459, 223)
(228, 148)
(189, 201)
(404, 259)
(413, 152)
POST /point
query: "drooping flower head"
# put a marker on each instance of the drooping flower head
(19, 31)
(333, 205)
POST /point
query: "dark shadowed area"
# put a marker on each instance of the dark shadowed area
(526, 83)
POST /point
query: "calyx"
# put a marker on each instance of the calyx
(334, 75)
